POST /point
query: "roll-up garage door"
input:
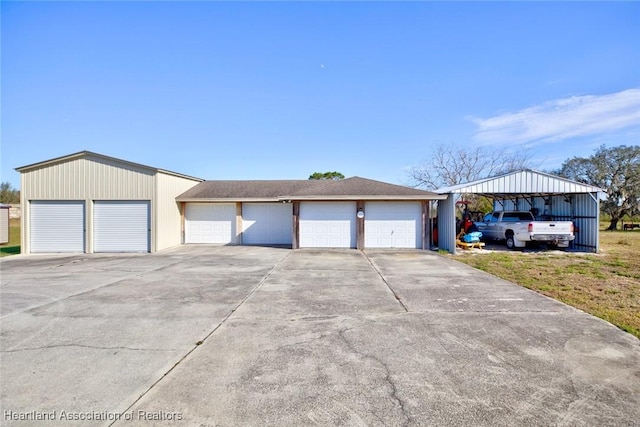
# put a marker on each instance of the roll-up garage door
(121, 226)
(327, 225)
(266, 223)
(393, 225)
(56, 226)
(210, 223)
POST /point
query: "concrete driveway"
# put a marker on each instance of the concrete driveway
(228, 336)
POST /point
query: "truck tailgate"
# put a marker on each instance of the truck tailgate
(552, 227)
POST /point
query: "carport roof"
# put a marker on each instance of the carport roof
(524, 182)
(353, 188)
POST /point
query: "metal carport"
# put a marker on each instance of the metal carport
(546, 196)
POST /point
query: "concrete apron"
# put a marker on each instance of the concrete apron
(324, 338)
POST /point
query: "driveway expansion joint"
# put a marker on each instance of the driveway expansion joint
(202, 341)
(393, 291)
(95, 347)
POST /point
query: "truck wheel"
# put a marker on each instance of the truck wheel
(511, 244)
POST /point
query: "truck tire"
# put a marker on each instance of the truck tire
(511, 244)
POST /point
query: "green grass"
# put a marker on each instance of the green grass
(606, 285)
(13, 247)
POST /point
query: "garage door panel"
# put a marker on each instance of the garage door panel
(267, 223)
(121, 226)
(393, 225)
(210, 223)
(327, 224)
(57, 226)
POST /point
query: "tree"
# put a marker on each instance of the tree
(8, 194)
(617, 170)
(332, 176)
(450, 164)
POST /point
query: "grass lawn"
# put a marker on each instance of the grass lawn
(13, 247)
(606, 285)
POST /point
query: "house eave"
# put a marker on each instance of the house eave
(227, 200)
(366, 197)
(284, 199)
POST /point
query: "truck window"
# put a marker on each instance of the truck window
(516, 216)
(511, 217)
(496, 217)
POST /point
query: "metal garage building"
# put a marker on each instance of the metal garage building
(549, 197)
(88, 202)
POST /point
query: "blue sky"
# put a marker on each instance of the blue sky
(279, 90)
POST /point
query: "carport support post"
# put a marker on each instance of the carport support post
(295, 229)
(360, 226)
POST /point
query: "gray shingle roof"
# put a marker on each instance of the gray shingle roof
(276, 190)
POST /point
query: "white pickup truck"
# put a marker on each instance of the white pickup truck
(519, 227)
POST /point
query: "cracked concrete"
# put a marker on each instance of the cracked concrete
(387, 377)
(228, 336)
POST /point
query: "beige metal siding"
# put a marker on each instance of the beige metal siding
(88, 178)
(167, 227)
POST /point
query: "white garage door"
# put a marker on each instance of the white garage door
(267, 223)
(393, 225)
(210, 223)
(327, 225)
(56, 226)
(121, 226)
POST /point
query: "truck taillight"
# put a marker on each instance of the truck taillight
(573, 228)
(530, 229)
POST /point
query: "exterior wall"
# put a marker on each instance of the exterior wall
(4, 225)
(15, 211)
(447, 223)
(167, 226)
(587, 222)
(87, 178)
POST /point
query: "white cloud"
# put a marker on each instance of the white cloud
(560, 119)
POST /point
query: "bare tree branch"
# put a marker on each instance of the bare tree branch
(449, 164)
